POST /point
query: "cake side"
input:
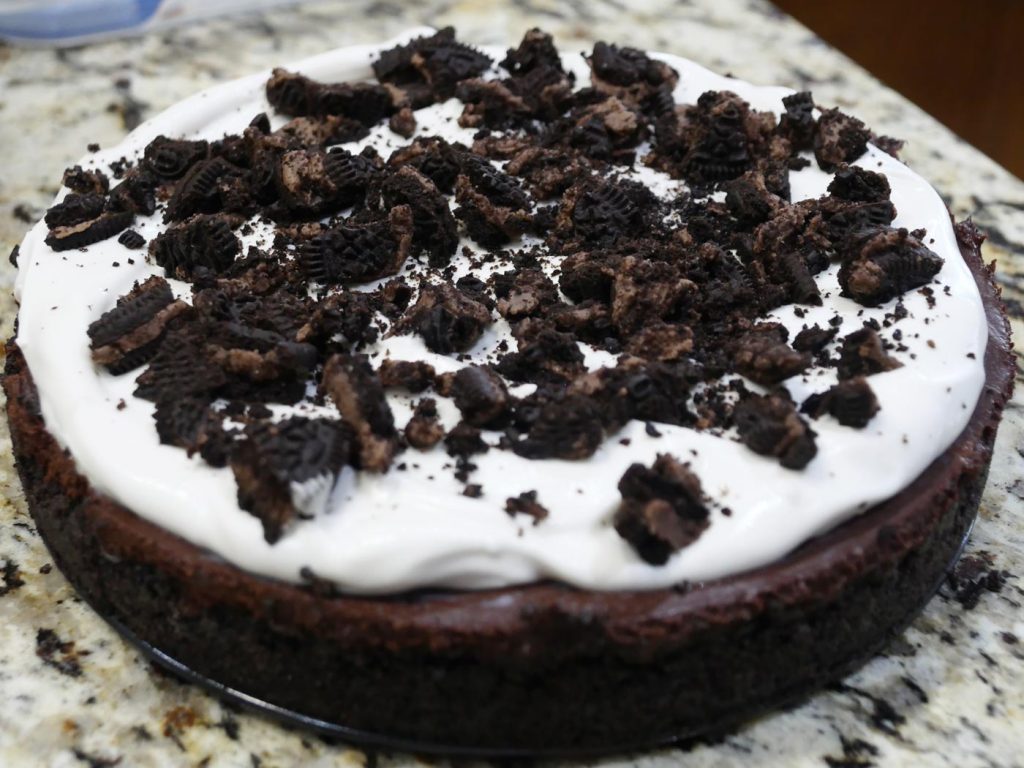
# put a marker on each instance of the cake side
(485, 670)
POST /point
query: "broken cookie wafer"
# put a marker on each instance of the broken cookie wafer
(662, 508)
(359, 397)
(286, 469)
(128, 335)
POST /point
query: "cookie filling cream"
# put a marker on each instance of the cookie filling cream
(381, 533)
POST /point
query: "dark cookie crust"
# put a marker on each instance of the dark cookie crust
(507, 671)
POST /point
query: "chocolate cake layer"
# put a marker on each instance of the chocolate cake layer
(541, 668)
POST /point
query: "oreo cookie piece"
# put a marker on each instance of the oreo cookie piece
(313, 132)
(662, 342)
(482, 397)
(770, 425)
(749, 200)
(643, 390)
(630, 75)
(136, 193)
(763, 356)
(286, 469)
(85, 233)
(260, 365)
(172, 158)
(524, 293)
(359, 252)
(424, 429)
(128, 335)
(526, 504)
(131, 239)
(563, 426)
(359, 397)
(201, 189)
(434, 229)
(845, 221)
(861, 353)
(190, 423)
(180, 369)
(797, 123)
(884, 263)
(662, 509)
(646, 290)
(433, 157)
(201, 242)
(535, 51)
(343, 321)
(463, 441)
(74, 209)
(439, 61)
(313, 182)
(447, 319)
(839, 138)
(488, 224)
(814, 339)
(852, 402)
(410, 375)
(859, 185)
(600, 213)
(84, 182)
(298, 96)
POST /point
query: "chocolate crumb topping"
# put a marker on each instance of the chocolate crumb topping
(357, 392)
(272, 458)
(839, 138)
(861, 353)
(411, 375)
(424, 429)
(482, 397)
(770, 425)
(526, 504)
(202, 242)
(621, 304)
(448, 319)
(131, 239)
(464, 440)
(883, 263)
(763, 355)
(852, 402)
(128, 335)
(662, 508)
(64, 237)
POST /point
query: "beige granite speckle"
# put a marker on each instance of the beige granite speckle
(948, 691)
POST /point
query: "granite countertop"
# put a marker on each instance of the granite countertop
(949, 691)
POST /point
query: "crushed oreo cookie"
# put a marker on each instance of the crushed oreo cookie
(616, 305)
(662, 508)
(274, 460)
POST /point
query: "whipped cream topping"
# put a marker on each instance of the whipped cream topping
(414, 528)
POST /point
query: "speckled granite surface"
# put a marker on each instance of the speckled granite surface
(949, 691)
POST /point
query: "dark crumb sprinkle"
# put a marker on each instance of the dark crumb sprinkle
(674, 292)
(526, 503)
(473, 490)
(131, 239)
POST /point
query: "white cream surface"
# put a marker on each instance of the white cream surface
(415, 528)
